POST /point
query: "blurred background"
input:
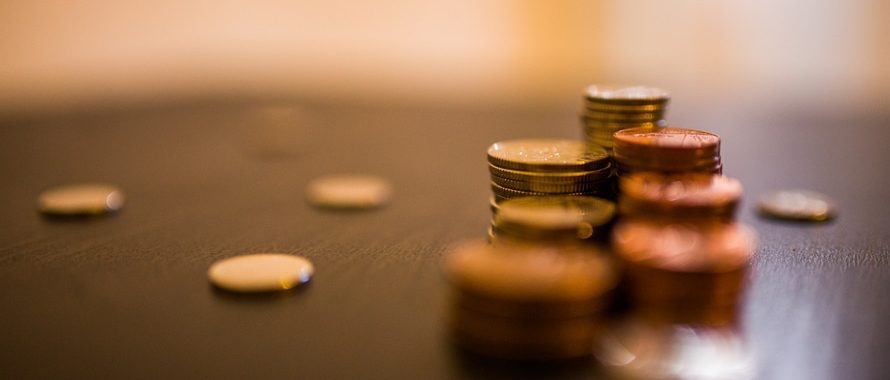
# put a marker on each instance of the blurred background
(59, 56)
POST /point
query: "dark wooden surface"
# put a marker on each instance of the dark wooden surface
(127, 296)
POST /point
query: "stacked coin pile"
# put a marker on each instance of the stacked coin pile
(552, 219)
(537, 167)
(684, 273)
(528, 302)
(679, 196)
(608, 109)
(667, 150)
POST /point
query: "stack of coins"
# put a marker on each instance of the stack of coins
(679, 196)
(667, 150)
(684, 273)
(553, 219)
(537, 167)
(608, 109)
(528, 302)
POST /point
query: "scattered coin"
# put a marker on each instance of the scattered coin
(349, 191)
(80, 199)
(802, 205)
(260, 272)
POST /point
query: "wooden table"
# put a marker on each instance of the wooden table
(127, 296)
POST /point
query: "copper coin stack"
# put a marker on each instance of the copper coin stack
(552, 219)
(667, 150)
(684, 196)
(608, 109)
(539, 167)
(528, 302)
(684, 272)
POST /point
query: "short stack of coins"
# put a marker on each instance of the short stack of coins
(687, 196)
(667, 150)
(608, 109)
(552, 219)
(684, 273)
(539, 167)
(528, 302)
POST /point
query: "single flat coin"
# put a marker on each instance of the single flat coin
(80, 199)
(260, 272)
(802, 205)
(547, 155)
(349, 191)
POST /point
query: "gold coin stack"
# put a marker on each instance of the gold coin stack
(552, 219)
(667, 150)
(528, 302)
(609, 109)
(539, 167)
(684, 273)
(678, 196)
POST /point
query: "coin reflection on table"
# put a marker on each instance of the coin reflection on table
(349, 191)
(80, 199)
(801, 205)
(260, 272)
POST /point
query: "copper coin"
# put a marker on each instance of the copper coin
(677, 143)
(679, 195)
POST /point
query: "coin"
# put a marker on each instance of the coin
(679, 195)
(629, 95)
(802, 205)
(507, 193)
(260, 272)
(80, 199)
(552, 188)
(666, 150)
(685, 247)
(349, 191)
(554, 178)
(546, 155)
(528, 274)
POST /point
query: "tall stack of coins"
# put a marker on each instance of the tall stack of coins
(608, 109)
(537, 167)
(679, 196)
(667, 150)
(528, 302)
(684, 273)
(552, 219)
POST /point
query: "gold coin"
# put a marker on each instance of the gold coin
(802, 205)
(349, 191)
(546, 155)
(260, 272)
(552, 188)
(529, 210)
(530, 273)
(554, 178)
(80, 199)
(507, 193)
(627, 95)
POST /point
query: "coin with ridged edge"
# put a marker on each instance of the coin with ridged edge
(546, 155)
(559, 188)
(554, 178)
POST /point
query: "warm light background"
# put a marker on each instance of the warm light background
(64, 55)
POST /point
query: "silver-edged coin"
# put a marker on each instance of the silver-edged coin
(80, 199)
(261, 272)
(801, 205)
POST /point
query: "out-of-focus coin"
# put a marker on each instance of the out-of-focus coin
(556, 210)
(679, 195)
(630, 95)
(800, 205)
(685, 247)
(261, 272)
(349, 191)
(547, 155)
(529, 274)
(80, 199)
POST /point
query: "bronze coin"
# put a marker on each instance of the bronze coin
(679, 195)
